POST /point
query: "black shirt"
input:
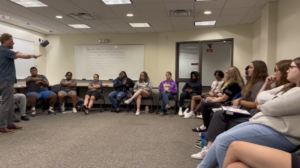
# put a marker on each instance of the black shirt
(231, 90)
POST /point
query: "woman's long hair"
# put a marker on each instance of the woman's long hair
(233, 75)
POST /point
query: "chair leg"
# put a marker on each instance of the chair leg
(100, 105)
(104, 103)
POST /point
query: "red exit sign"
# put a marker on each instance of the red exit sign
(209, 50)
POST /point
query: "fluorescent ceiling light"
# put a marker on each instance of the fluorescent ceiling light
(139, 24)
(205, 0)
(29, 3)
(116, 2)
(205, 23)
(129, 15)
(79, 26)
(207, 12)
(59, 17)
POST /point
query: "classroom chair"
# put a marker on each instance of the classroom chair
(146, 98)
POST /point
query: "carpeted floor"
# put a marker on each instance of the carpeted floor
(102, 140)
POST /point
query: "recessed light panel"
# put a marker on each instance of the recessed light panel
(205, 23)
(29, 3)
(79, 26)
(139, 24)
(116, 2)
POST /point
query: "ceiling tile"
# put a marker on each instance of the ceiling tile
(255, 11)
(209, 4)
(119, 25)
(227, 22)
(235, 11)
(100, 15)
(126, 30)
(179, 5)
(205, 18)
(181, 19)
(123, 8)
(231, 17)
(247, 21)
(178, 0)
(240, 3)
(112, 20)
(148, 14)
(158, 20)
(89, 30)
(151, 7)
(109, 31)
(261, 3)
(64, 6)
(183, 24)
(135, 20)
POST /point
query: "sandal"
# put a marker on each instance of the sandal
(200, 129)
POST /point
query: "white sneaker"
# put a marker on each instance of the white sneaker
(201, 154)
(186, 111)
(137, 112)
(202, 127)
(62, 107)
(180, 112)
(128, 101)
(199, 116)
(189, 115)
(168, 107)
(74, 110)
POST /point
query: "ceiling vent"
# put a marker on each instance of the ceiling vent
(180, 13)
(82, 16)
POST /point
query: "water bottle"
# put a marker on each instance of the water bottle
(147, 109)
(202, 143)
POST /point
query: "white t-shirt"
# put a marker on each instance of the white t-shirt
(216, 86)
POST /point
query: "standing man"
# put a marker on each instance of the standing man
(7, 81)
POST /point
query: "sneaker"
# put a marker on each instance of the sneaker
(62, 107)
(137, 112)
(33, 113)
(117, 110)
(180, 112)
(161, 113)
(128, 101)
(85, 110)
(24, 118)
(186, 111)
(201, 154)
(198, 145)
(199, 116)
(168, 107)
(189, 115)
(74, 110)
(202, 128)
(51, 112)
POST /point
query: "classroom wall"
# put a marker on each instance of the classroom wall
(288, 34)
(159, 48)
(256, 54)
(29, 35)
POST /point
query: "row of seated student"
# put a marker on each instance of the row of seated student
(38, 89)
(274, 113)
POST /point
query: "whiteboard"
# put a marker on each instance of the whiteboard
(108, 61)
(23, 65)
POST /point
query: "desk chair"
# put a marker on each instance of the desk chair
(103, 100)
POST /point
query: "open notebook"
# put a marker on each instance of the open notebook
(232, 111)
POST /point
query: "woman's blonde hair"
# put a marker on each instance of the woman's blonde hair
(233, 75)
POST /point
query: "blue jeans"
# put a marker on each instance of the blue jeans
(165, 97)
(254, 133)
(119, 96)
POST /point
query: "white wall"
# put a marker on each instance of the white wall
(160, 48)
(25, 34)
(185, 61)
(288, 26)
(219, 59)
(256, 40)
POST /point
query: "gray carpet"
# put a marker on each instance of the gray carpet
(102, 140)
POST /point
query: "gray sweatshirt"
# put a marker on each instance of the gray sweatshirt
(143, 85)
(280, 112)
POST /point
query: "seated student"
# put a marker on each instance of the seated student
(94, 93)
(247, 155)
(214, 92)
(191, 88)
(167, 90)
(68, 88)
(20, 99)
(37, 86)
(276, 126)
(121, 84)
(247, 79)
(233, 85)
(258, 72)
(142, 88)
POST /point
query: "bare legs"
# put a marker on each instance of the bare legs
(247, 155)
(138, 96)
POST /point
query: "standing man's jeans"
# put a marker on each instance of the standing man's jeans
(7, 109)
(119, 96)
(165, 97)
(253, 133)
(20, 99)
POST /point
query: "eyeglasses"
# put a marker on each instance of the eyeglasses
(292, 67)
(276, 70)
